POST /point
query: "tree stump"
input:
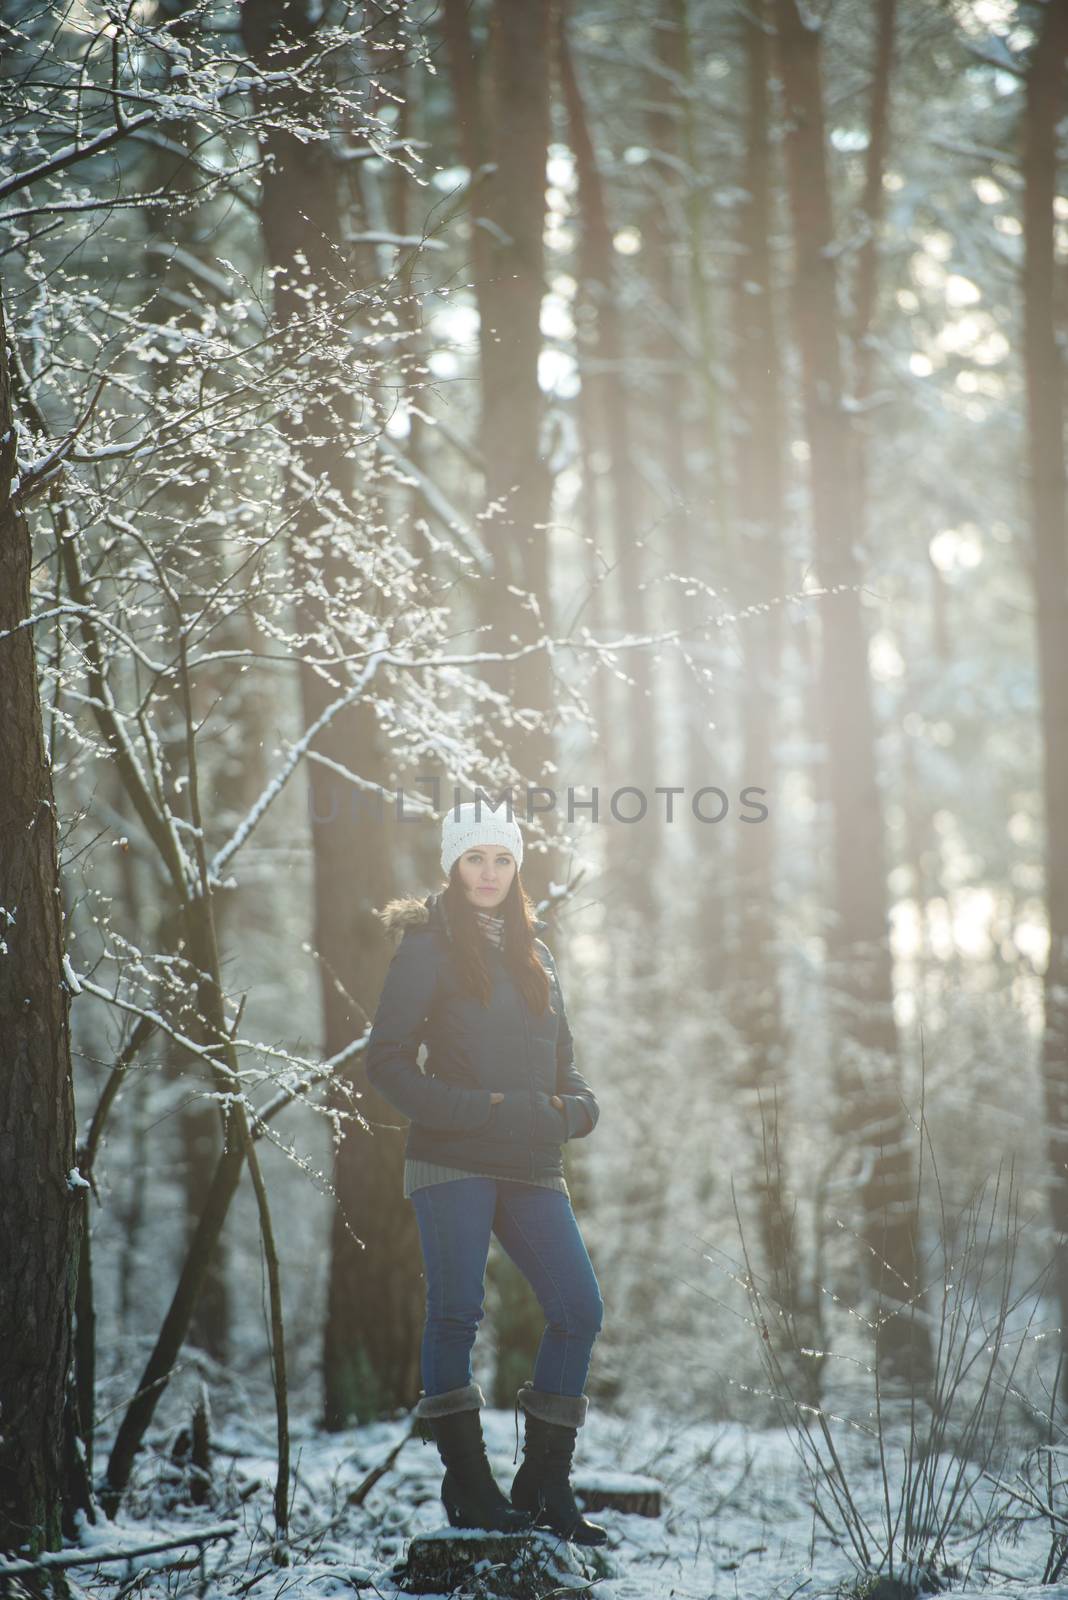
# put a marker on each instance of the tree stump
(617, 1491)
(491, 1566)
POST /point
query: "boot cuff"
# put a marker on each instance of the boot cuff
(569, 1410)
(469, 1398)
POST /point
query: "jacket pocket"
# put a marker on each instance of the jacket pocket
(481, 1116)
(510, 1118)
(550, 1123)
(469, 1111)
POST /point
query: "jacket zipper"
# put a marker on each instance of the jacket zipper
(526, 1031)
(530, 1091)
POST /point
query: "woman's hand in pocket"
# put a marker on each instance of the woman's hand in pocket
(495, 1099)
(557, 1102)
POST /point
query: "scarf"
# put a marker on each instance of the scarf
(491, 925)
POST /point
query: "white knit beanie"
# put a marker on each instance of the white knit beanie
(461, 830)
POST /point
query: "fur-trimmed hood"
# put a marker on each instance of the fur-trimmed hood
(410, 912)
(407, 912)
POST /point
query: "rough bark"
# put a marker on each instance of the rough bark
(43, 1214)
(1043, 371)
(860, 975)
(758, 503)
(524, 1568)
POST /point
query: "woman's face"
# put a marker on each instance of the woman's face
(486, 872)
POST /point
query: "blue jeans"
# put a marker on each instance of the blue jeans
(537, 1228)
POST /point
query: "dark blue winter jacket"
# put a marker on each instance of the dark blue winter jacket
(473, 1051)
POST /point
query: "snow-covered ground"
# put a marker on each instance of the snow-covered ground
(737, 1517)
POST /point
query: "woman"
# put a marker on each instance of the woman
(499, 1097)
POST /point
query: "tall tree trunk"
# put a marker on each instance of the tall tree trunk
(715, 520)
(508, 219)
(683, 420)
(1043, 371)
(43, 1212)
(859, 962)
(633, 748)
(372, 1332)
(469, 123)
(758, 499)
(872, 208)
(592, 511)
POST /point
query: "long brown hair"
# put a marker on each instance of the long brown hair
(520, 957)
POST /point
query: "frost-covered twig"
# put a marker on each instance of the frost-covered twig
(293, 759)
(278, 1337)
(68, 608)
(51, 1560)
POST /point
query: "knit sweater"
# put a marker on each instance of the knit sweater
(421, 1174)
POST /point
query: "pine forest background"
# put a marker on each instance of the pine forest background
(603, 397)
